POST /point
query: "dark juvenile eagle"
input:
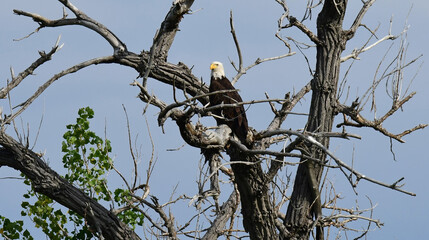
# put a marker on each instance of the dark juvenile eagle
(234, 117)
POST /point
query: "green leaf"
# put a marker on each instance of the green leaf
(86, 157)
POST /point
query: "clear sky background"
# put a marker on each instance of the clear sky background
(205, 37)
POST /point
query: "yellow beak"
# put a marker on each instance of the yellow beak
(213, 66)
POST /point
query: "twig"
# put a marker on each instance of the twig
(164, 111)
(122, 177)
(356, 52)
(287, 106)
(356, 173)
(237, 46)
(257, 62)
(44, 57)
(130, 147)
(168, 221)
(148, 98)
(241, 70)
(376, 124)
(151, 58)
(369, 222)
(81, 19)
(298, 46)
(351, 32)
(296, 23)
(248, 151)
(151, 165)
(273, 108)
(41, 89)
(340, 163)
(270, 133)
(38, 130)
(331, 218)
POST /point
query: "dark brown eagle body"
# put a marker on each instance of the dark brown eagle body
(234, 117)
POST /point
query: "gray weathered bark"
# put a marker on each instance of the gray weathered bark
(257, 209)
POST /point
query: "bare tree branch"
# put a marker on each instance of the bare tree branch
(257, 62)
(42, 88)
(165, 37)
(226, 211)
(48, 182)
(81, 19)
(44, 57)
(340, 163)
(357, 22)
(296, 23)
(237, 46)
(356, 52)
(358, 175)
(376, 124)
(242, 70)
(287, 107)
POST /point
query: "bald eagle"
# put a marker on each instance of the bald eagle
(234, 117)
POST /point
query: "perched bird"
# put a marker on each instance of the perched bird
(234, 117)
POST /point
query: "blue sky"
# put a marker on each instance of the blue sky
(205, 37)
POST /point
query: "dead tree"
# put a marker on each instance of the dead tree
(260, 208)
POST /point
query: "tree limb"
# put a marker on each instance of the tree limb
(226, 211)
(41, 89)
(296, 23)
(351, 32)
(165, 37)
(242, 70)
(48, 182)
(376, 124)
(340, 163)
(81, 19)
(44, 57)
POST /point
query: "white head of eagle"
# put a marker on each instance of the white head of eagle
(217, 70)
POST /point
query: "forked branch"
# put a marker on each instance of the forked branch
(376, 124)
(356, 52)
(44, 57)
(293, 22)
(167, 32)
(358, 20)
(41, 89)
(243, 70)
(310, 139)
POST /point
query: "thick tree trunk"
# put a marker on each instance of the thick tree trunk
(256, 207)
(304, 207)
